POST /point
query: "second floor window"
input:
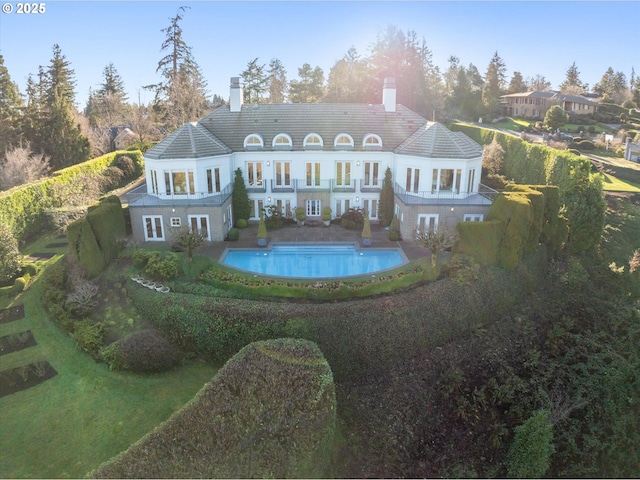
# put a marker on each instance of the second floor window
(283, 174)
(343, 173)
(254, 174)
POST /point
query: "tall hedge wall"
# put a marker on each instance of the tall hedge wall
(530, 163)
(95, 239)
(23, 207)
(270, 412)
(515, 212)
(537, 211)
(479, 240)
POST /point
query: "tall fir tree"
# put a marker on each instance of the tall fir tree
(277, 81)
(11, 111)
(348, 80)
(106, 107)
(572, 84)
(254, 81)
(309, 88)
(494, 83)
(517, 84)
(181, 96)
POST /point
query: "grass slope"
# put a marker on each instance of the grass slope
(85, 415)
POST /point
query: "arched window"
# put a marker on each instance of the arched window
(371, 140)
(313, 140)
(253, 140)
(282, 140)
(343, 140)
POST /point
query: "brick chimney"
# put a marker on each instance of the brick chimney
(389, 94)
(235, 99)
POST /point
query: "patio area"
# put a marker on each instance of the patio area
(293, 233)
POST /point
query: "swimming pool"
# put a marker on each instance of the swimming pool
(314, 261)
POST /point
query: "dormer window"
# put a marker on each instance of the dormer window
(313, 140)
(372, 140)
(282, 140)
(343, 140)
(253, 141)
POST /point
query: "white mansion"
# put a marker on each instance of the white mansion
(310, 156)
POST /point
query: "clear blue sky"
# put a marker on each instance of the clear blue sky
(531, 37)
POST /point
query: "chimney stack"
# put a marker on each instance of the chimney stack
(235, 99)
(389, 94)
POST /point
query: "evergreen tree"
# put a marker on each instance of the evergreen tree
(517, 84)
(64, 142)
(11, 107)
(310, 87)
(107, 106)
(59, 81)
(348, 80)
(385, 207)
(277, 81)
(635, 88)
(612, 85)
(538, 83)
(34, 114)
(255, 81)
(572, 83)
(181, 96)
(240, 198)
(494, 83)
(555, 118)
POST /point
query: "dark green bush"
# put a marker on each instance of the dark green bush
(479, 240)
(394, 235)
(515, 212)
(145, 351)
(241, 223)
(162, 267)
(537, 210)
(233, 235)
(352, 219)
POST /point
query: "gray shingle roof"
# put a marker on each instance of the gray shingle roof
(402, 131)
(437, 141)
(192, 140)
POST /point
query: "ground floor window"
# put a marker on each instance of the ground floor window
(175, 221)
(473, 217)
(200, 223)
(153, 230)
(427, 223)
(371, 207)
(313, 208)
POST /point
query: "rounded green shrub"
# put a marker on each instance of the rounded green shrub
(145, 351)
(233, 235)
(30, 268)
(241, 223)
(21, 283)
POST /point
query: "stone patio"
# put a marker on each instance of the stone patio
(293, 233)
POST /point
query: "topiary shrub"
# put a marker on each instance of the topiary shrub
(479, 240)
(515, 212)
(233, 235)
(21, 283)
(145, 351)
(241, 223)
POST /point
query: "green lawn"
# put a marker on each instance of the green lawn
(86, 414)
(613, 184)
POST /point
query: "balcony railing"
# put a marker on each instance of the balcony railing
(139, 197)
(343, 187)
(258, 187)
(373, 185)
(282, 187)
(313, 185)
(484, 196)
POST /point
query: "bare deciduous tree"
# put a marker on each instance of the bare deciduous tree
(437, 240)
(20, 166)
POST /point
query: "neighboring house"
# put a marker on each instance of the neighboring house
(632, 151)
(312, 156)
(535, 104)
(121, 138)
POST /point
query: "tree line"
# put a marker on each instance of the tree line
(45, 131)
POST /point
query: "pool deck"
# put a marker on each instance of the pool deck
(314, 234)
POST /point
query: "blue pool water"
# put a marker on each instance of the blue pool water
(314, 261)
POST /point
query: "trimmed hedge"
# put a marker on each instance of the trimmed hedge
(529, 163)
(270, 412)
(23, 207)
(479, 240)
(359, 337)
(537, 210)
(96, 239)
(515, 212)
